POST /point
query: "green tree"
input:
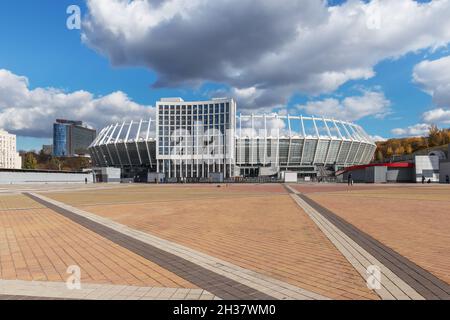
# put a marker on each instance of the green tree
(30, 161)
(54, 164)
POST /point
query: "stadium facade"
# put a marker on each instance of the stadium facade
(201, 139)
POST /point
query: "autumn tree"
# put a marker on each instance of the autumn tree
(409, 149)
(399, 151)
(434, 136)
(389, 152)
(379, 156)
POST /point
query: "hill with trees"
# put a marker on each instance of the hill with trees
(405, 146)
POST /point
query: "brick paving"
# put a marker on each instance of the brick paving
(359, 253)
(416, 282)
(38, 244)
(17, 202)
(31, 290)
(245, 236)
(415, 221)
(221, 278)
(146, 194)
(222, 286)
(325, 187)
(263, 232)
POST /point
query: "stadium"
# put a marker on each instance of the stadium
(204, 139)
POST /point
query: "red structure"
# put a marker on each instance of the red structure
(388, 165)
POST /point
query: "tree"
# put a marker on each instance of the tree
(389, 152)
(409, 149)
(30, 161)
(399, 151)
(434, 136)
(379, 156)
(54, 164)
(43, 157)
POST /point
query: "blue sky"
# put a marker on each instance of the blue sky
(35, 43)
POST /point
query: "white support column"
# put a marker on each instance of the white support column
(278, 146)
(137, 142)
(330, 142)
(95, 156)
(126, 141)
(304, 139)
(146, 144)
(342, 140)
(242, 158)
(265, 139)
(328, 128)
(356, 153)
(290, 140)
(365, 153)
(357, 135)
(104, 158)
(252, 141)
(109, 141)
(105, 136)
(117, 140)
(318, 140)
(351, 144)
(197, 145)
(98, 138)
(170, 167)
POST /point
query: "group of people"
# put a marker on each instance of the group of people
(447, 180)
(425, 180)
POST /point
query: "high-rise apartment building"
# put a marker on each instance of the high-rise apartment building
(9, 158)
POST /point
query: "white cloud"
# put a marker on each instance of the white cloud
(378, 138)
(370, 103)
(420, 129)
(269, 48)
(434, 78)
(437, 116)
(31, 112)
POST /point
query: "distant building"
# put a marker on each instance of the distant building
(9, 157)
(71, 138)
(47, 149)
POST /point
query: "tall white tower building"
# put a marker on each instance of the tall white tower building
(9, 157)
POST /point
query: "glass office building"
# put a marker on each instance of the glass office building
(71, 138)
(59, 140)
(205, 138)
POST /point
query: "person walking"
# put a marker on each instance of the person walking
(423, 179)
(350, 179)
(447, 179)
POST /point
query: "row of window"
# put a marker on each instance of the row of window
(195, 109)
(195, 120)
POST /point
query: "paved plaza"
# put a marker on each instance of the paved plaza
(239, 241)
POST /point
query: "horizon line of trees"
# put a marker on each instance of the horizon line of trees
(405, 146)
(31, 160)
